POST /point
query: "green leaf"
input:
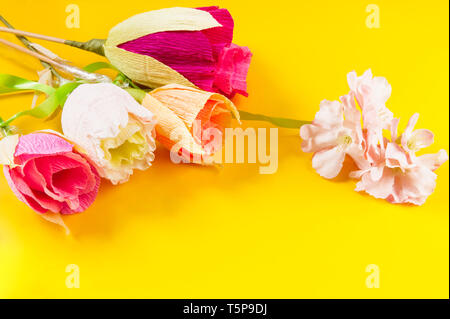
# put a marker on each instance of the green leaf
(98, 66)
(64, 90)
(137, 94)
(10, 83)
(46, 108)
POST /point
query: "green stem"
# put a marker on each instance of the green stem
(139, 95)
(5, 124)
(277, 121)
(5, 130)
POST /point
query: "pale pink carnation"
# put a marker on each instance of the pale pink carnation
(330, 137)
(399, 176)
(388, 169)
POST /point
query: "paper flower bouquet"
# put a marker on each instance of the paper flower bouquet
(177, 70)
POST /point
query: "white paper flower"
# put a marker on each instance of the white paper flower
(115, 131)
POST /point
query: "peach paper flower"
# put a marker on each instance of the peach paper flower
(190, 122)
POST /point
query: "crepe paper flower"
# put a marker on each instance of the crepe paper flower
(399, 176)
(191, 47)
(187, 46)
(50, 175)
(190, 122)
(388, 168)
(330, 137)
(115, 131)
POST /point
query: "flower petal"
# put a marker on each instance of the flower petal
(231, 70)
(396, 157)
(381, 188)
(170, 128)
(187, 52)
(328, 163)
(169, 19)
(144, 69)
(219, 37)
(415, 186)
(421, 138)
(331, 114)
(8, 146)
(40, 144)
(433, 161)
(187, 102)
(316, 138)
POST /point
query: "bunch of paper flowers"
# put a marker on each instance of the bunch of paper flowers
(177, 67)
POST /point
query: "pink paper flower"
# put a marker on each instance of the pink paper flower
(330, 137)
(187, 46)
(388, 168)
(414, 140)
(371, 93)
(49, 175)
(399, 176)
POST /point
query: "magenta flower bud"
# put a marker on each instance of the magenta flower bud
(191, 47)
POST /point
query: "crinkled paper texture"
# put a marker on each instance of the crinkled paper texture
(171, 129)
(95, 112)
(187, 102)
(8, 146)
(169, 19)
(177, 107)
(144, 69)
(51, 178)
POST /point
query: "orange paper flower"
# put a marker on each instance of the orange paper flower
(190, 122)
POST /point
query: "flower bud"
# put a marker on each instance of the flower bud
(190, 122)
(190, 47)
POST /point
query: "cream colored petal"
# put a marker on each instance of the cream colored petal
(45, 77)
(143, 69)
(170, 19)
(57, 219)
(8, 146)
(187, 102)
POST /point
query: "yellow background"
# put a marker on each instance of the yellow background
(193, 232)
